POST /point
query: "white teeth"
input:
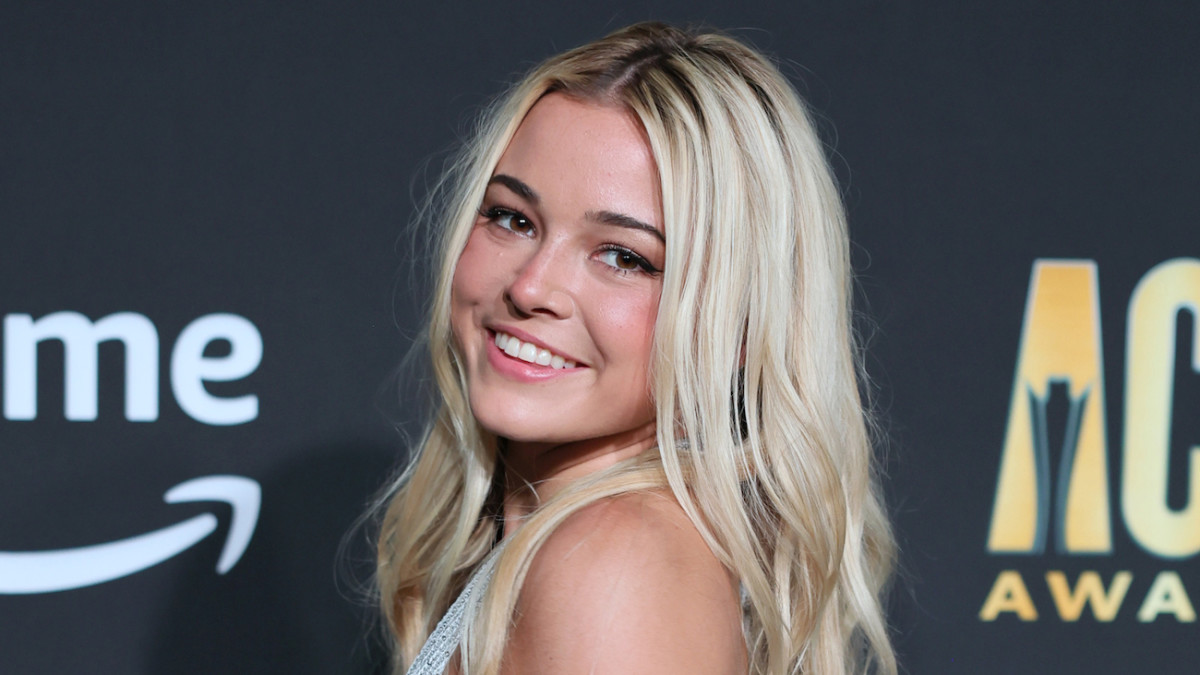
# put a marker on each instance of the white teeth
(529, 352)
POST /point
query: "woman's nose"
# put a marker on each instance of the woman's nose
(543, 284)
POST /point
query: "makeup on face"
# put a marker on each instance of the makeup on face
(556, 292)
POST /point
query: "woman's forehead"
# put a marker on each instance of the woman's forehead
(584, 154)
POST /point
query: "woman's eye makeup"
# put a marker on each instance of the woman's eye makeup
(621, 259)
(625, 261)
(507, 219)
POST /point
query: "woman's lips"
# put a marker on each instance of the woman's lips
(518, 368)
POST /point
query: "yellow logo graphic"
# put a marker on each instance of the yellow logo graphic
(1060, 342)
(1166, 290)
(1061, 346)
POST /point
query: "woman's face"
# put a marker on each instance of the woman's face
(563, 270)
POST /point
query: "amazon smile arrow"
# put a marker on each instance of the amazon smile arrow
(26, 572)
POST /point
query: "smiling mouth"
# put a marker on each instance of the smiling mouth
(530, 353)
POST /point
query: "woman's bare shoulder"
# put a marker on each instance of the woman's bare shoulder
(627, 585)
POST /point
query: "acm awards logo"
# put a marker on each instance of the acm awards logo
(27, 572)
(1061, 348)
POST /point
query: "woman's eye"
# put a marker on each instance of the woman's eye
(626, 261)
(508, 219)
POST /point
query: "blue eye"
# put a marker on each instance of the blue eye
(508, 219)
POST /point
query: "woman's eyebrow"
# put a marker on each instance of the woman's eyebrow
(516, 185)
(522, 189)
(622, 220)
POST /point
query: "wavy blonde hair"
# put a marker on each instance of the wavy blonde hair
(762, 436)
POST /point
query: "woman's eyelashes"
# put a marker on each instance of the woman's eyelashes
(508, 219)
(625, 261)
(621, 259)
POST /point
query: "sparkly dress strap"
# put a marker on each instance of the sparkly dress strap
(445, 638)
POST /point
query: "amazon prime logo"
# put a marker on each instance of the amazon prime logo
(192, 364)
(23, 572)
(81, 338)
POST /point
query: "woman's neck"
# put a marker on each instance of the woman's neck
(535, 472)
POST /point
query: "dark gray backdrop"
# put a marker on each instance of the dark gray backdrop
(183, 159)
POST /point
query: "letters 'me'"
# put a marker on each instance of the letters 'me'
(1060, 343)
(190, 368)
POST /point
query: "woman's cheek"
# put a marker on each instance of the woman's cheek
(472, 270)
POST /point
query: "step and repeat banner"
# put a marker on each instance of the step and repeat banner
(209, 280)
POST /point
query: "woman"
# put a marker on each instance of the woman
(649, 454)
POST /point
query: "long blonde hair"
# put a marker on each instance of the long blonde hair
(762, 436)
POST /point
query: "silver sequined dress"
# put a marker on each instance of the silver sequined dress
(444, 640)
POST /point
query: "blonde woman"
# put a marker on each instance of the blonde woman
(649, 453)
